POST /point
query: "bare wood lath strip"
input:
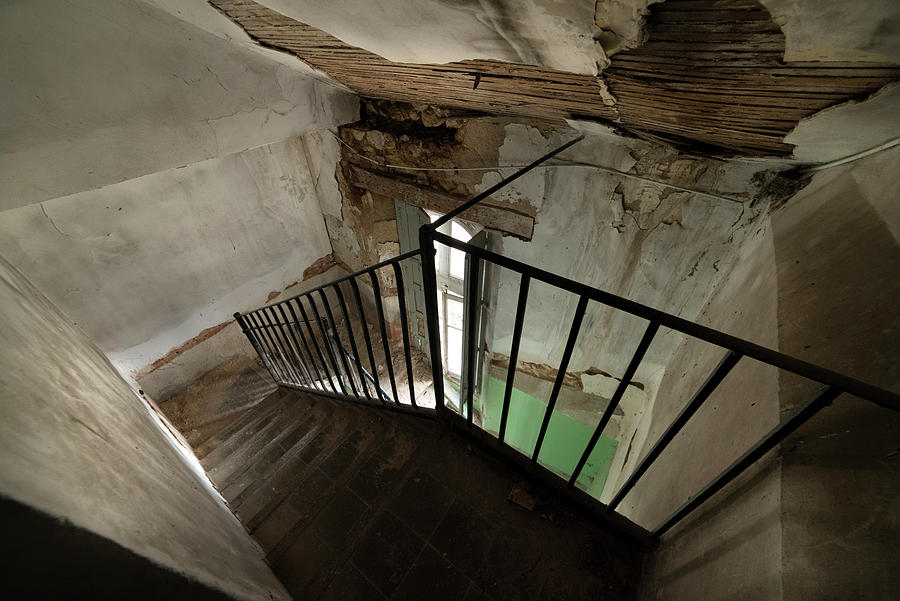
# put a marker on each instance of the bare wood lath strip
(710, 76)
(712, 72)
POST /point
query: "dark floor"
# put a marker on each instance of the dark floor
(352, 502)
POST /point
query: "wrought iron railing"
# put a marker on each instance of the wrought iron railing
(304, 347)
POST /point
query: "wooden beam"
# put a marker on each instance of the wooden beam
(493, 216)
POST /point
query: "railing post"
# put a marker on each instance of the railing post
(429, 281)
(265, 358)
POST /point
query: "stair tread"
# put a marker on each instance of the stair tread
(269, 493)
(264, 407)
(276, 456)
(239, 438)
(243, 457)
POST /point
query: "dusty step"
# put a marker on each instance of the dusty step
(264, 407)
(315, 493)
(244, 456)
(283, 451)
(256, 503)
(256, 421)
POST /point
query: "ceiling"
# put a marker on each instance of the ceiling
(709, 77)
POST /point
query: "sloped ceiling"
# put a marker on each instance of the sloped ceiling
(709, 77)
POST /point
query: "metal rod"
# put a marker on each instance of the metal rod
(253, 342)
(315, 344)
(270, 348)
(271, 318)
(379, 313)
(318, 377)
(325, 341)
(561, 374)
(429, 283)
(363, 321)
(819, 401)
(877, 395)
(404, 328)
(368, 376)
(502, 183)
(286, 343)
(470, 343)
(308, 379)
(359, 368)
(636, 359)
(712, 382)
(524, 283)
(384, 263)
(287, 322)
(337, 335)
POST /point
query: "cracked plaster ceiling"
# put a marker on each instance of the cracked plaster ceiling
(706, 75)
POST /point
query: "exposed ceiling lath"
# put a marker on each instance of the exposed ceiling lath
(709, 77)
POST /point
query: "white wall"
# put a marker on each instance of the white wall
(100, 92)
(77, 442)
(148, 263)
(153, 173)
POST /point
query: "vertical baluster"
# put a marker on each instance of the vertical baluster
(379, 313)
(636, 359)
(353, 347)
(429, 282)
(404, 326)
(270, 348)
(514, 352)
(328, 348)
(471, 341)
(315, 343)
(561, 373)
(301, 360)
(275, 329)
(364, 321)
(337, 336)
(264, 356)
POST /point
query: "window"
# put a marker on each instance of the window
(451, 273)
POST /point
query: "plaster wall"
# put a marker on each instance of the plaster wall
(151, 172)
(146, 264)
(816, 519)
(645, 241)
(837, 258)
(77, 442)
(109, 91)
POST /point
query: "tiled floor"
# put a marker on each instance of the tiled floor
(352, 502)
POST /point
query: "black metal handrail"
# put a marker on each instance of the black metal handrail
(307, 352)
(295, 357)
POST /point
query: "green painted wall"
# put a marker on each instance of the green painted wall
(564, 442)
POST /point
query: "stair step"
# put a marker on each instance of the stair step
(243, 457)
(263, 409)
(240, 438)
(300, 508)
(286, 450)
(266, 495)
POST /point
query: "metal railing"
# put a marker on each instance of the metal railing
(285, 347)
(303, 346)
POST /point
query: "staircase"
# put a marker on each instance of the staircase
(350, 503)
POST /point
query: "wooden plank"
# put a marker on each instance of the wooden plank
(490, 215)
